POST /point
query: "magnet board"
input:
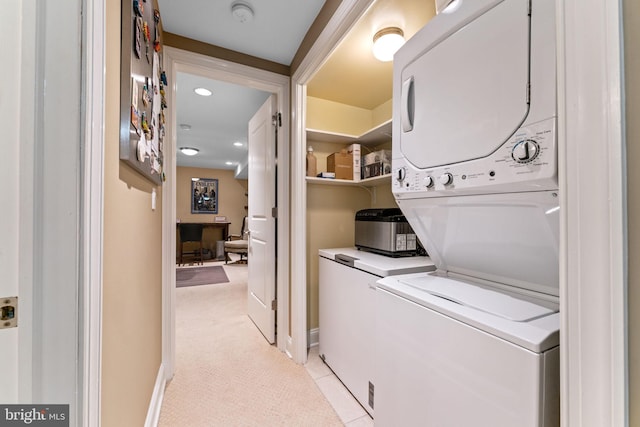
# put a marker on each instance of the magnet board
(142, 89)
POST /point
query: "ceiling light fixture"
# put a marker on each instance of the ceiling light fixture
(386, 42)
(202, 91)
(189, 151)
(238, 144)
(242, 12)
(185, 126)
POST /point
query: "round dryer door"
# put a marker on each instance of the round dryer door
(468, 91)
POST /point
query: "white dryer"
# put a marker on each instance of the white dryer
(475, 343)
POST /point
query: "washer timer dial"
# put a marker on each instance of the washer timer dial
(525, 151)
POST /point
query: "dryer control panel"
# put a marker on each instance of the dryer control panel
(526, 162)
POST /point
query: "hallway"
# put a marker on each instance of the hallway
(227, 374)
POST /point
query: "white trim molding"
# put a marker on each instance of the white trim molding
(593, 217)
(155, 405)
(342, 20)
(177, 60)
(314, 337)
(92, 211)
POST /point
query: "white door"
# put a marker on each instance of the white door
(262, 224)
(41, 358)
(10, 29)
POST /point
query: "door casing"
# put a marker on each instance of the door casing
(178, 60)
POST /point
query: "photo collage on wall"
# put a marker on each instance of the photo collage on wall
(147, 97)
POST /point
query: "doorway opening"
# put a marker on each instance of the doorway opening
(178, 62)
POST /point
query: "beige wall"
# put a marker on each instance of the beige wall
(231, 200)
(330, 116)
(632, 76)
(331, 211)
(132, 282)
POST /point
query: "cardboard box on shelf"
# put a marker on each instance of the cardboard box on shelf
(342, 164)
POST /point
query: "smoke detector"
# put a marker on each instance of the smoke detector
(242, 12)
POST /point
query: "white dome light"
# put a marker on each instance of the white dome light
(386, 42)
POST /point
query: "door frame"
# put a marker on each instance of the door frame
(587, 372)
(346, 15)
(591, 144)
(92, 205)
(178, 60)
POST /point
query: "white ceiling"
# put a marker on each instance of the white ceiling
(351, 75)
(217, 121)
(276, 31)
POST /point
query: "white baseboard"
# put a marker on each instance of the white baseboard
(313, 337)
(288, 347)
(153, 413)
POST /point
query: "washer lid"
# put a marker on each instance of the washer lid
(464, 88)
(482, 299)
(525, 321)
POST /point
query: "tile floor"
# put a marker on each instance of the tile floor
(345, 405)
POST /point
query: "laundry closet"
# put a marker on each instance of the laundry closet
(471, 336)
(341, 110)
(349, 116)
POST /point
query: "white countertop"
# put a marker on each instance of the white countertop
(380, 265)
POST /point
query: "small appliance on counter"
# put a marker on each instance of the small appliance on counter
(385, 232)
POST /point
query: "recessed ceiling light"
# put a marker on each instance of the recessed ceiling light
(202, 91)
(229, 163)
(189, 151)
(185, 126)
(238, 144)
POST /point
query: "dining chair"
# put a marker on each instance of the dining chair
(189, 234)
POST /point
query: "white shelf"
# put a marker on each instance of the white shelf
(377, 135)
(369, 182)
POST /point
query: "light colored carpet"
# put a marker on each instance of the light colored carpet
(226, 372)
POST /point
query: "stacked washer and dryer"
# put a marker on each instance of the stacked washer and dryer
(476, 342)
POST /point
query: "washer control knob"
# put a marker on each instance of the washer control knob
(428, 181)
(446, 178)
(402, 174)
(525, 151)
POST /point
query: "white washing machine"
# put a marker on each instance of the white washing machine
(475, 343)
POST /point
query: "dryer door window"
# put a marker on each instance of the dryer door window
(469, 91)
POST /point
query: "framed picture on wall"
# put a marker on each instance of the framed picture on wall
(204, 196)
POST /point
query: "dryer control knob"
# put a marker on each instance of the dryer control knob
(525, 151)
(402, 174)
(446, 178)
(428, 182)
